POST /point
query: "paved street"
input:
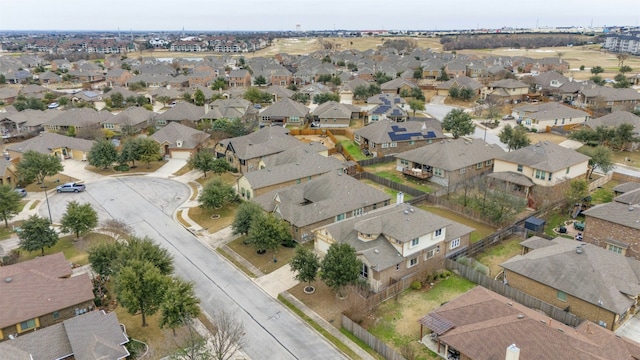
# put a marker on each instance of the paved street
(147, 204)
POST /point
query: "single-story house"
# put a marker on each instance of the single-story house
(64, 147)
(179, 141)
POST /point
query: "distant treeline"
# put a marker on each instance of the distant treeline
(527, 41)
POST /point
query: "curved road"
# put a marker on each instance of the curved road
(147, 204)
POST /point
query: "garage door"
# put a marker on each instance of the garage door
(180, 154)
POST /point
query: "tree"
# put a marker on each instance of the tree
(340, 267)
(149, 150)
(458, 122)
(625, 69)
(9, 203)
(621, 82)
(179, 304)
(229, 335)
(306, 264)
(597, 70)
(36, 234)
(79, 219)
(220, 166)
(219, 84)
(103, 258)
(443, 75)
(117, 99)
(36, 166)
(466, 93)
(578, 190)
(203, 161)
(194, 347)
(198, 97)
(131, 151)
(139, 287)
(215, 194)
(246, 212)
(454, 92)
(415, 104)
(267, 232)
(260, 80)
(514, 138)
(621, 59)
(598, 80)
(103, 154)
(600, 158)
(624, 134)
(163, 99)
(417, 73)
(324, 97)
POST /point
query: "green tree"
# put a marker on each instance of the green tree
(179, 305)
(340, 267)
(417, 93)
(306, 264)
(163, 99)
(139, 287)
(598, 80)
(3, 79)
(267, 232)
(117, 100)
(220, 166)
(256, 96)
(103, 258)
(625, 69)
(246, 212)
(186, 96)
(324, 78)
(103, 154)
(325, 97)
(466, 93)
(454, 92)
(597, 70)
(219, 84)
(417, 73)
(600, 159)
(361, 92)
(149, 150)
(381, 77)
(146, 249)
(79, 219)
(578, 190)
(215, 194)
(443, 75)
(63, 101)
(36, 166)
(131, 151)
(621, 82)
(198, 97)
(415, 105)
(581, 67)
(203, 161)
(10, 203)
(458, 122)
(514, 138)
(36, 234)
(624, 134)
(260, 80)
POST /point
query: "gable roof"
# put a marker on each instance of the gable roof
(39, 287)
(453, 154)
(387, 131)
(32, 118)
(460, 82)
(545, 156)
(175, 132)
(397, 83)
(611, 94)
(615, 119)
(79, 117)
(132, 116)
(183, 111)
(596, 275)
(332, 109)
(47, 141)
(550, 111)
(267, 141)
(286, 107)
(509, 84)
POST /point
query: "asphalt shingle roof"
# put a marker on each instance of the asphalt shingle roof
(453, 154)
(545, 156)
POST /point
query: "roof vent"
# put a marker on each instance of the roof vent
(8, 280)
(520, 316)
(578, 249)
(406, 212)
(630, 208)
(376, 251)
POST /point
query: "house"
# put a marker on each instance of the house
(179, 141)
(320, 201)
(129, 121)
(8, 94)
(386, 106)
(508, 90)
(386, 137)
(246, 152)
(118, 77)
(614, 225)
(234, 108)
(544, 116)
(332, 115)
(481, 324)
(77, 118)
(64, 147)
(459, 82)
(547, 165)
(239, 78)
(49, 77)
(95, 335)
(182, 111)
(449, 163)
(398, 85)
(609, 99)
(8, 171)
(284, 112)
(25, 122)
(38, 293)
(586, 280)
(614, 120)
(395, 242)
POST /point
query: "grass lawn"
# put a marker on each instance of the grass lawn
(50, 182)
(203, 217)
(194, 191)
(141, 167)
(353, 149)
(6, 232)
(604, 194)
(629, 158)
(74, 251)
(34, 205)
(228, 178)
(401, 179)
(265, 261)
(555, 218)
(387, 190)
(235, 262)
(498, 254)
(394, 321)
(481, 231)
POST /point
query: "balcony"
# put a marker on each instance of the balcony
(417, 173)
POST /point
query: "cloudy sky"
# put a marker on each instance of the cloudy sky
(265, 15)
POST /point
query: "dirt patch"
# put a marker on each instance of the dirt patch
(325, 302)
(541, 137)
(324, 140)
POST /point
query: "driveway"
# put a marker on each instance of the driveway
(147, 204)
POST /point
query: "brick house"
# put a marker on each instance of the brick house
(396, 241)
(64, 147)
(332, 114)
(41, 292)
(239, 78)
(508, 90)
(449, 162)
(545, 116)
(590, 282)
(179, 141)
(285, 112)
(387, 137)
(459, 82)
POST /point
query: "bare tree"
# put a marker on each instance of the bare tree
(229, 336)
(621, 58)
(194, 347)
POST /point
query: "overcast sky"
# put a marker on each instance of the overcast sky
(266, 15)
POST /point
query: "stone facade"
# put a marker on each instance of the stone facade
(48, 319)
(599, 232)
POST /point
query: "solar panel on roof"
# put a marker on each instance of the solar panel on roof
(430, 134)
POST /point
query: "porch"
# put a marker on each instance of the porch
(418, 173)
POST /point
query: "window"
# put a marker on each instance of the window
(162, 122)
(454, 243)
(541, 174)
(374, 118)
(520, 168)
(413, 262)
(488, 163)
(394, 144)
(602, 323)
(56, 315)
(463, 170)
(615, 249)
(358, 212)
(415, 242)
(294, 119)
(431, 253)
(479, 165)
(365, 271)
(248, 195)
(412, 142)
(385, 145)
(561, 295)
(309, 178)
(549, 176)
(340, 217)
(567, 171)
(397, 266)
(438, 172)
(438, 232)
(404, 162)
(27, 325)
(297, 181)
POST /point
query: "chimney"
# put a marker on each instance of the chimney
(513, 353)
(399, 198)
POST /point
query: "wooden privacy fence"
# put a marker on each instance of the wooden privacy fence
(376, 344)
(390, 184)
(377, 160)
(488, 241)
(514, 294)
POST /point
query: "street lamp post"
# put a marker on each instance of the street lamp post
(48, 207)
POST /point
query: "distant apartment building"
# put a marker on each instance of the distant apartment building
(624, 43)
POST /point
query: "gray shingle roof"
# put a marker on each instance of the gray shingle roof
(611, 94)
(509, 84)
(44, 142)
(597, 276)
(266, 141)
(175, 132)
(378, 132)
(132, 116)
(460, 82)
(453, 154)
(545, 156)
(615, 119)
(183, 111)
(79, 117)
(550, 111)
(617, 213)
(286, 107)
(32, 118)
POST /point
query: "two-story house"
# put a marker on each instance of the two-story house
(239, 78)
(285, 112)
(332, 115)
(544, 116)
(395, 242)
(508, 90)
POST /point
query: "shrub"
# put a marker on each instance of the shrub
(534, 130)
(122, 167)
(416, 285)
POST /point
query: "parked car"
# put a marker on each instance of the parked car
(578, 225)
(53, 105)
(508, 117)
(21, 192)
(70, 187)
(366, 152)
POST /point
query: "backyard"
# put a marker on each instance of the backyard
(497, 254)
(481, 231)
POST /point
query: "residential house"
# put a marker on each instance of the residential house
(25, 122)
(459, 82)
(320, 201)
(239, 78)
(544, 116)
(395, 242)
(95, 335)
(387, 137)
(332, 115)
(609, 99)
(398, 85)
(181, 112)
(481, 324)
(178, 141)
(279, 92)
(586, 280)
(449, 162)
(8, 94)
(8, 171)
(508, 90)
(129, 121)
(245, 152)
(456, 68)
(118, 77)
(77, 118)
(614, 225)
(49, 77)
(613, 120)
(64, 147)
(284, 112)
(234, 108)
(547, 165)
(41, 292)
(87, 97)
